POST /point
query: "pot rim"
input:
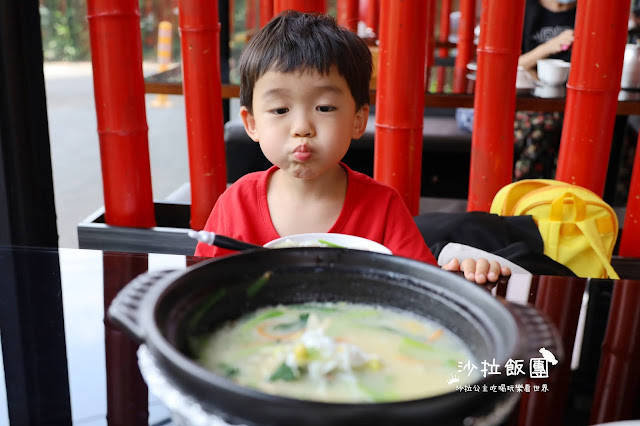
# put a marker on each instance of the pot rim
(503, 328)
(162, 348)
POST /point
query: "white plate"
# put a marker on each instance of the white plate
(343, 240)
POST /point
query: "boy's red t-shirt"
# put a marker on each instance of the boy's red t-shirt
(371, 210)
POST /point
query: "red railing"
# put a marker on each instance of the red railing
(592, 95)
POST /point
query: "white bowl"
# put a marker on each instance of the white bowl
(544, 91)
(553, 71)
(342, 240)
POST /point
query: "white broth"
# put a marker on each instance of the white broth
(338, 352)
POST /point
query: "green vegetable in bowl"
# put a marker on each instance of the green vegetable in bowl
(330, 244)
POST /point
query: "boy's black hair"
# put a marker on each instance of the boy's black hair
(298, 42)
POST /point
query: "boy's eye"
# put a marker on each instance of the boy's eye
(325, 108)
(280, 111)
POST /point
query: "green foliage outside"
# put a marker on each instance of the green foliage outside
(65, 30)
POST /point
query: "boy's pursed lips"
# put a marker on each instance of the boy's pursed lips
(302, 152)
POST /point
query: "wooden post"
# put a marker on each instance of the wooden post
(200, 46)
(118, 84)
(495, 100)
(592, 93)
(400, 101)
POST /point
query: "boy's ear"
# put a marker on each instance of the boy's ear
(249, 123)
(360, 122)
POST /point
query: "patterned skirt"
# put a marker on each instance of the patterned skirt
(536, 144)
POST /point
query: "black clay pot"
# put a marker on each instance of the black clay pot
(163, 309)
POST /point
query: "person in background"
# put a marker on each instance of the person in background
(547, 33)
(304, 96)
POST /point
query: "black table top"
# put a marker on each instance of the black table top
(58, 350)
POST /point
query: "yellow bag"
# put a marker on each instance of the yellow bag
(578, 228)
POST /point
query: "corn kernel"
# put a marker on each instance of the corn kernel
(374, 364)
(300, 352)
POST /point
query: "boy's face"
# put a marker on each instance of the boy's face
(304, 122)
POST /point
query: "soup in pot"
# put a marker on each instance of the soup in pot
(338, 352)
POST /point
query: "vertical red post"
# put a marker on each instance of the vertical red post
(200, 46)
(466, 47)
(495, 100)
(430, 60)
(400, 101)
(592, 93)
(630, 236)
(250, 21)
(618, 376)
(118, 84)
(443, 37)
(347, 11)
(372, 17)
(300, 5)
(560, 299)
(127, 394)
(266, 12)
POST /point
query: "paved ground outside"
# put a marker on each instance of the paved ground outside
(75, 149)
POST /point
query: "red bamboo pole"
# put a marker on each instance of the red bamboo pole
(466, 47)
(127, 394)
(118, 84)
(592, 93)
(430, 59)
(231, 17)
(400, 101)
(495, 100)
(200, 46)
(251, 19)
(618, 376)
(560, 299)
(266, 12)
(300, 5)
(630, 236)
(347, 11)
(372, 18)
(443, 37)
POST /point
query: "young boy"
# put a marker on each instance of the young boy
(304, 95)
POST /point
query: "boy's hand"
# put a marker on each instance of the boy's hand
(479, 271)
